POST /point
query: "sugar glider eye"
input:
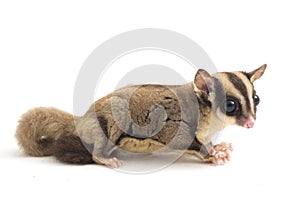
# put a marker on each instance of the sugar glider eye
(230, 107)
(256, 100)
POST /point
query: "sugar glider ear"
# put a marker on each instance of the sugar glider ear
(256, 74)
(204, 81)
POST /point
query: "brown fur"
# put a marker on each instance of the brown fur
(39, 128)
(99, 127)
(69, 149)
(139, 119)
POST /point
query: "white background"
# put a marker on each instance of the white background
(43, 45)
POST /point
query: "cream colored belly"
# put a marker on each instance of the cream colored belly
(140, 146)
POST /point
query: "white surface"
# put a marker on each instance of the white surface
(42, 47)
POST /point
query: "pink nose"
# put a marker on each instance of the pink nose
(250, 121)
(249, 125)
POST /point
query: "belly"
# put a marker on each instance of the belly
(140, 145)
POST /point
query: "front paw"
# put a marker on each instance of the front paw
(220, 153)
(224, 146)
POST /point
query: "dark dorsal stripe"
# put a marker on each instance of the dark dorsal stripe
(240, 86)
(247, 75)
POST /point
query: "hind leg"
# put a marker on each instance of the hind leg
(108, 162)
(97, 143)
(101, 154)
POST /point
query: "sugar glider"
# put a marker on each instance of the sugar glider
(147, 118)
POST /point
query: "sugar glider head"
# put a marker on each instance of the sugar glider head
(231, 95)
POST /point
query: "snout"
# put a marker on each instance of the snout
(247, 122)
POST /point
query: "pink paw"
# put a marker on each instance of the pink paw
(109, 162)
(113, 163)
(220, 154)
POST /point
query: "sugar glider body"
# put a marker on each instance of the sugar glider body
(145, 119)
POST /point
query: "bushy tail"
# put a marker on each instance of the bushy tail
(39, 128)
(49, 131)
